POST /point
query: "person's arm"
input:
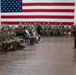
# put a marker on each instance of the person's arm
(27, 33)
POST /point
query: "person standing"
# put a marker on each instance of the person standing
(39, 28)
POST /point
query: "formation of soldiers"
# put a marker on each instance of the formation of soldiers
(9, 40)
(53, 30)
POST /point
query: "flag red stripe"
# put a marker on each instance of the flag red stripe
(52, 23)
(48, 4)
(41, 16)
(48, 10)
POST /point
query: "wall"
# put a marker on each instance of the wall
(75, 13)
(0, 13)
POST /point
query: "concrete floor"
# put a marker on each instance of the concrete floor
(52, 56)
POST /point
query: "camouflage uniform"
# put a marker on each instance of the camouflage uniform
(43, 29)
(48, 28)
(20, 26)
(25, 25)
(75, 27)
(5, 40)
(46, 31)
(61, 29)
(2, 25)
(35, 25)
(56, 30)
(72, 29)
(15, 42)
(67, 30)
(53, 30)
(1, 41)
(13, 27)
(7, 26)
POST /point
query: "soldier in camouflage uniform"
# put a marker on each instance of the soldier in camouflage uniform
(61, 29)
(13, 27)
(35, 25)
(15, 42)
(48, 29)
(2, 26)
(43, 29)
(25, 24)
(67, 30)
(20, 26)
(1, 42)
(56, 30)
(53, 30)
(7, 26)
(5, 40)
(72, 29)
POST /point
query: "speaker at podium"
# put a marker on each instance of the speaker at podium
(74, 35)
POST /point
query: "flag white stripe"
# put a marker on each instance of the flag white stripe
(16, 26)
(33, 1)
(38, 19)
(38, 13)
(48, 7)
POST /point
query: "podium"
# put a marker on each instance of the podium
(74, 35)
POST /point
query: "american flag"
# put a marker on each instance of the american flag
(40, 11)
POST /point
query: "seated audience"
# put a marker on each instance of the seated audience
(35, 35)
(27, 35)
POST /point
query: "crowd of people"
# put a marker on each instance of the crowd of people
(14, 39)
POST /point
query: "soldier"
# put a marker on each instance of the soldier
(20, 26)
(1, 41)
(13, 26)
(75, 26)
(72, 29)
(2, 25)
(53, 30)
(7, 26)
(5, 40)
(39, 28)
(61, 29)
(48, 29)
(24, 24)
(35, 25)
(56, 30)
(67, 29)
(43, 29)
(16, 42)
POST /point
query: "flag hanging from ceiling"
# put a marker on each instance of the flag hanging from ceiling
(41, 11)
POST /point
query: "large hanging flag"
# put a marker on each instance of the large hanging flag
(41, 11)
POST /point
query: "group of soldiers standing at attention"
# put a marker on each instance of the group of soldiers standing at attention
(52, 30)
(56, 30)
(12, 39)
